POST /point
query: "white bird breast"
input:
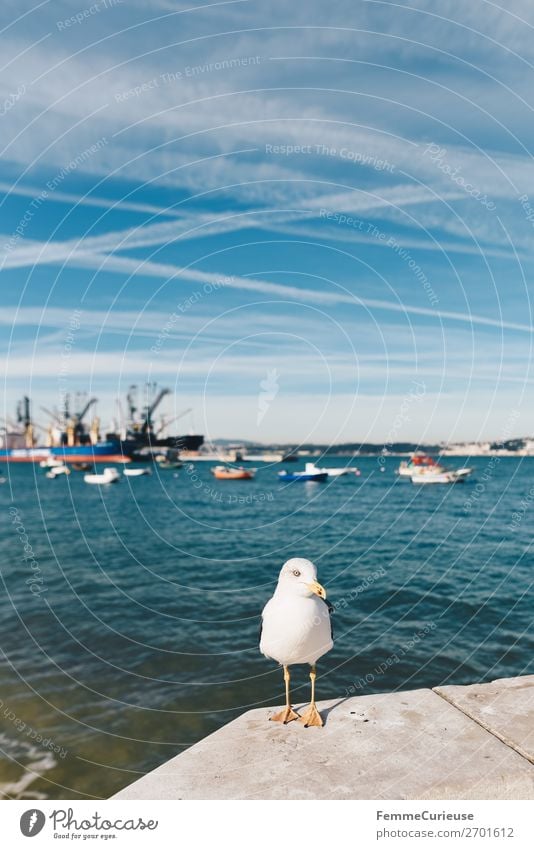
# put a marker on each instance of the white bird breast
(295, 629)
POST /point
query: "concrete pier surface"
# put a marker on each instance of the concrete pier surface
(453, 742)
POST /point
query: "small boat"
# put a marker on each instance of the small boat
(463, 473)
(311, 468)
(229, 473)
(168, 461)
(136, 473)
(446, 476)
(109, 475)
(57, 471)
(417, 464)
(81, 467)
(50, 463)
(310, 473)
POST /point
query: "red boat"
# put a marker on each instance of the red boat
(419, 463)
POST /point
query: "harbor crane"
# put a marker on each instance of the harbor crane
(147, 425)
(172, 421)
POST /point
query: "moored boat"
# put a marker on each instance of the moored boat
(57, 470)
(310, 473)
(109, 475)
(168, 461)
(444, 476)
(334, 472)
(136, 473)
(418, 463)
(237, 473)
(50, 463)
(421, 468)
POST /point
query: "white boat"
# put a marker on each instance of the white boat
(50, 463)
(333, 472)
(421, 468)
(56, 470)
(419, 464)
(447, 476)
(109, 475)
(136, 473)
(463, 473)
(405, 470)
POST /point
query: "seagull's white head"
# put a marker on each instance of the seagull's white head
(299, 576)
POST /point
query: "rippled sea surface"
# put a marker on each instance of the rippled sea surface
(130, 631)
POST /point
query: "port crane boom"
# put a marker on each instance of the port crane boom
(80, 416)
(175, 419)
(147, 426)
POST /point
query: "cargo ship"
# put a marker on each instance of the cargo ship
(69, 440)
(66, 439)
(102, 452)
(141, 438)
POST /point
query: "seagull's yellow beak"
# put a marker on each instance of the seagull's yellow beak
(315, 587)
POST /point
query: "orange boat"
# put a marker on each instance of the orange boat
(227, 473)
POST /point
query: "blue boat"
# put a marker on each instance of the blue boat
(306, 475)
(109, 451)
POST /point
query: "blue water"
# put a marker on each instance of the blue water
(135, 632)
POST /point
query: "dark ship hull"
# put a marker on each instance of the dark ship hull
(191, 442)
(142, 444)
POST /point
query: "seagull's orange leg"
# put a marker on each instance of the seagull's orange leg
(287, 714)
(312, 715)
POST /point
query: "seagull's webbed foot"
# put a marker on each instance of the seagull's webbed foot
(311, 717)
(286, 715)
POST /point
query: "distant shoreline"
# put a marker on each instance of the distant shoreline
(512, 448)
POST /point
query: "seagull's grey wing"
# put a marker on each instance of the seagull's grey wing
(260, 631)
(331, 609)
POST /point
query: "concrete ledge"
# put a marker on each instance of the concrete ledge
(504, 707)
(411, 745)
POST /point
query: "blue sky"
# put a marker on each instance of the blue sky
(322, 207)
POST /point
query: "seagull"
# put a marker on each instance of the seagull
(296, 628)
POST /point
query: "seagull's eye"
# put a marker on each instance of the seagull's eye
(296, 573)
